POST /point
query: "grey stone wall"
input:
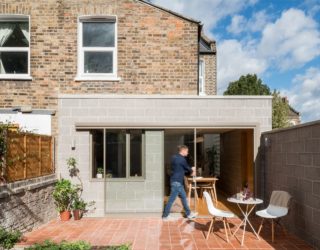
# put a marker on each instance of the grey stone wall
(141, 196)
(149, 112)
(290, 161)
(25, 205)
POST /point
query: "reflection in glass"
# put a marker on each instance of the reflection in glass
(136, 152)
(98, 62)
(116, 154)
(98, 34)
(13, 62)
(14, 34)
(97, 151)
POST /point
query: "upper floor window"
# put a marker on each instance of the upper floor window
(202, 78)
(14, 47)
(97, 57)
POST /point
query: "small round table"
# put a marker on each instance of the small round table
(249, 206)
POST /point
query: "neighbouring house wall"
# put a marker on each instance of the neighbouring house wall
(290, 161)
(25, 205)
(127, 111)
(210, 61)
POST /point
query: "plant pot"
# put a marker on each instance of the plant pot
(65, 215)
(77, 214)
(99, 176)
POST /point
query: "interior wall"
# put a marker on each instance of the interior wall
(236, 161)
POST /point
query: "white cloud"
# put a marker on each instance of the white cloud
(234, 60)
(237, 25)
(291, 41)
(210, 12)
(256, 23)
(304, 95)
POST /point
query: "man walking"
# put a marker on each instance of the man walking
(179, 168)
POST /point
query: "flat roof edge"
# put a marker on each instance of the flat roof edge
(107, 96)
(167, 125)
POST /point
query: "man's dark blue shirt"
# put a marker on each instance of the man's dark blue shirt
(179, 168)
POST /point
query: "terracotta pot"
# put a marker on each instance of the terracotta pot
(65, 215)
(77, 214)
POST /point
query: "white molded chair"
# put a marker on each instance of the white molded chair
(278, 207)
(216, 213)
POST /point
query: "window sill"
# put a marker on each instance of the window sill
(16, 77)
(97, 78)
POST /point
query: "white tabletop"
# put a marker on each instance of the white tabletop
(249, 201)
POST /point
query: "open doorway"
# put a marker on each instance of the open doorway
(227, 154)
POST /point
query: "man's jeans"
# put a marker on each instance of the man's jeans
(177, 189)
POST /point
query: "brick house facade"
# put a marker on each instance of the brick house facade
(116, 96)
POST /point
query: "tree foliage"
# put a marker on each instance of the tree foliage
(248, 85)
(280, 111)
(252, 85)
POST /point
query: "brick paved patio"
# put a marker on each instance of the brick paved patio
(153, 233)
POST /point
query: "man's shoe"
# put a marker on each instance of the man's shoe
(192, 215)
(168, 218)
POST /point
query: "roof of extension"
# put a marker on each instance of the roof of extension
(171, 12)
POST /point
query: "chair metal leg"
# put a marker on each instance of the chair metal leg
(225, 229)
(210, 228)
(272, 230)
(260, 227)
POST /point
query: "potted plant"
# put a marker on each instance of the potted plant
(63, 195)
(78, 208)
(100, 173)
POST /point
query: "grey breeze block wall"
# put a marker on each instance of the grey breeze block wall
(25, 205)
(157, 111)
(292, 163)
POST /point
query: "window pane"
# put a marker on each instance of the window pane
(97, 152)
(98, 34)
(14, 34)
(116, 154)
(13, 62)
(136, 152)
(98, 62)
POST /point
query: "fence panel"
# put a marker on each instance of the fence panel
(28, 156)
(15, 164)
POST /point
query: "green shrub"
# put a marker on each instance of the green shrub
(79, 245)
(63, 194)
(121, 247)
(9, 238)
(50, 245)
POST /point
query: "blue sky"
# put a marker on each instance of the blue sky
(279, 40)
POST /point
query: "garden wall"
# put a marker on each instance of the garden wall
(27, 204)
(290, 161)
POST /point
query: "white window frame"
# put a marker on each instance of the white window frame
(15, 18)
(202, 81)
(83, 76)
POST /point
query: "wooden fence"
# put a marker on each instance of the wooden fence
(28, 156)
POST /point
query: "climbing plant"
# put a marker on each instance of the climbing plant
(3, 149)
